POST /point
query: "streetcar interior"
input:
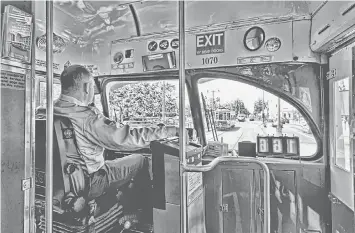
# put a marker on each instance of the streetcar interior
(269, 111)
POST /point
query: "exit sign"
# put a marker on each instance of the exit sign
(210, 43)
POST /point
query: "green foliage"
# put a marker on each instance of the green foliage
(236, 105)
(144, 99)
(259, 105)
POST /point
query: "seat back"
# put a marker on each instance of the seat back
(69, 170)
(40, 162)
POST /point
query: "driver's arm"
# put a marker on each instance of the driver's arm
(104, 132)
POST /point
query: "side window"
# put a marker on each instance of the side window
(43, 94)
(341, 123)
(242, 112)
(97, 102)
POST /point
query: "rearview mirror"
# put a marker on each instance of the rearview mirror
(254, 38)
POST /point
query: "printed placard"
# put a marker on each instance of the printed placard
(12, 80)
(210, 43)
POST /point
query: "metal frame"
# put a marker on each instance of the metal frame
(205, 168)
(31, 126)
(264, 167)
(49, 117)
(182, 131)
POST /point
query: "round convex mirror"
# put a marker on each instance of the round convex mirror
(254, 38)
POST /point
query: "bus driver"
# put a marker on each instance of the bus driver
(94, 132)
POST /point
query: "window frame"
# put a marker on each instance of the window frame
(332, 128)
(41, 79)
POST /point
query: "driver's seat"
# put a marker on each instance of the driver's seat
(73, 211)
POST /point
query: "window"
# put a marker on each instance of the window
(97, 102)
(43, 94)
(341, 123)
(146, 103)
(253, 112)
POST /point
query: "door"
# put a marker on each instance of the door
(341, 155)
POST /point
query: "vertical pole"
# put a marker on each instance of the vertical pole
(182, 131)
(278, 116)
(164, 108)
(49, 135)
(33, 87)
(213, 102)
(263, 108)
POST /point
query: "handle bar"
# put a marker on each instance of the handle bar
(264, 167)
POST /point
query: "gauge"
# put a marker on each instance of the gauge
(273, 44)
(118, 58)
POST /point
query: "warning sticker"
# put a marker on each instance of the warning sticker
(210, 43)
(12, 80)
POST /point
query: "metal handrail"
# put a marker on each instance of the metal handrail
(264, 167)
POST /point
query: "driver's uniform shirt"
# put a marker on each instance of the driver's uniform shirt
(94, 132)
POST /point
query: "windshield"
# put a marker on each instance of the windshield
(253, 112)
(146, 103)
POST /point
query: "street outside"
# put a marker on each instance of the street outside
(249, 130)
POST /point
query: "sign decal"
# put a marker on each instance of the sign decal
(118, 58)
(210, 43)
(122, 66)
(174, 43)
(164, 44)
(42, 65)
(256, 59)
(152, 46)
(129, 53)
(67, 64)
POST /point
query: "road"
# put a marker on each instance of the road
(249, 130)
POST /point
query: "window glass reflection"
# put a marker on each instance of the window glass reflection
(341, 123)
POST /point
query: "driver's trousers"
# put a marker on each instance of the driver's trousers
(116, 174)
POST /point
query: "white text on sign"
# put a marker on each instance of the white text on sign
(210, 43)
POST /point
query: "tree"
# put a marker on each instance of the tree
(144, 99)
(236, 105)
(259, 106)
(239, 107)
